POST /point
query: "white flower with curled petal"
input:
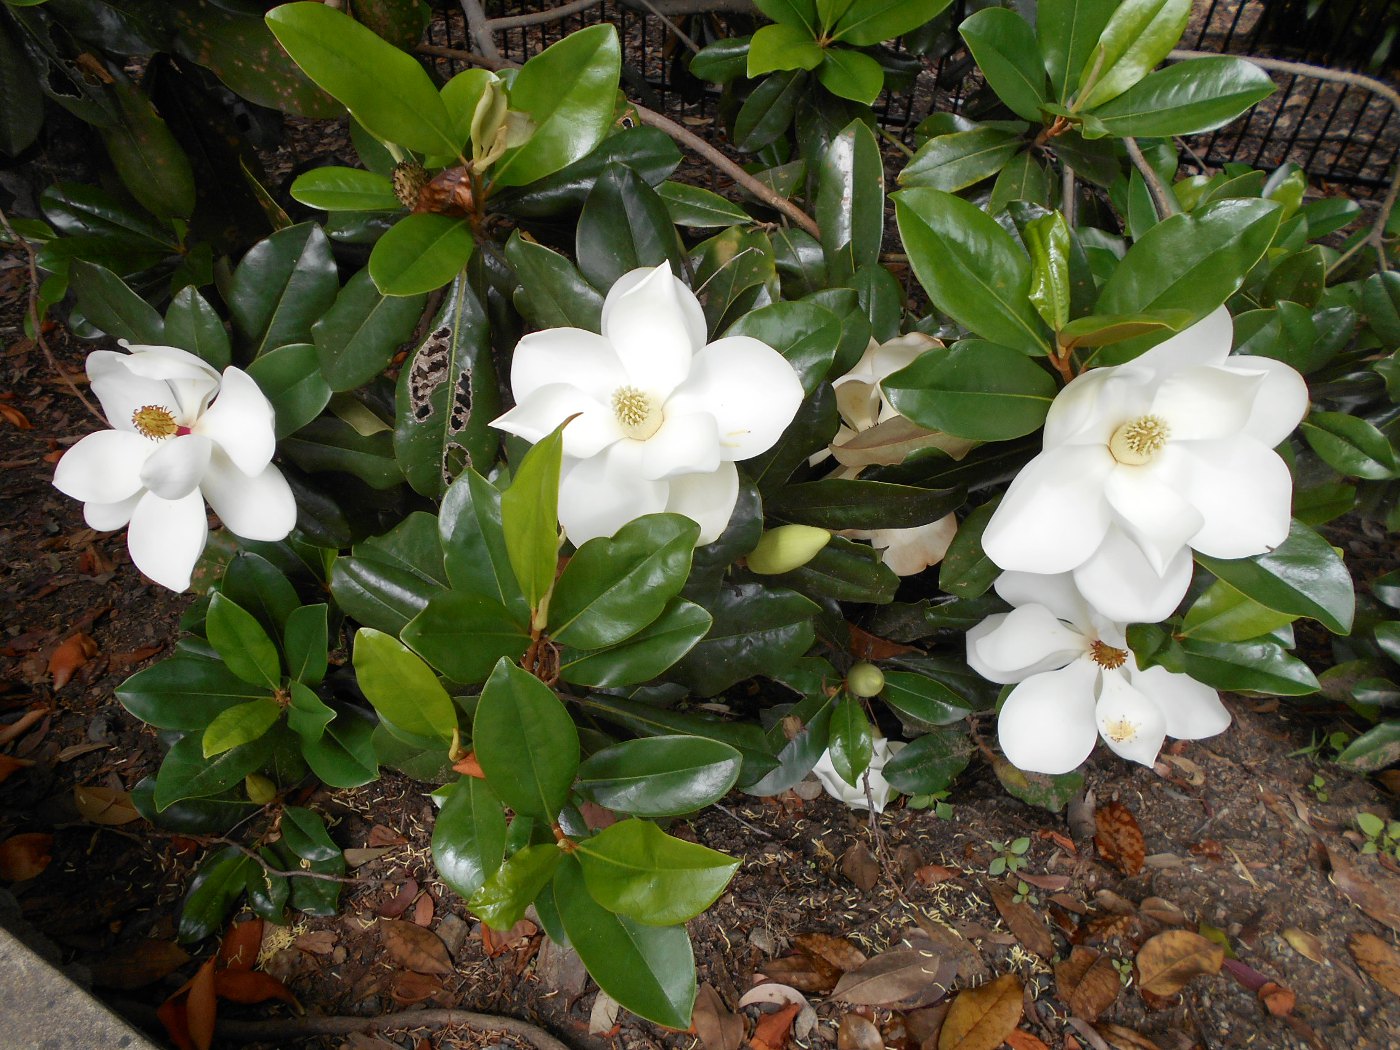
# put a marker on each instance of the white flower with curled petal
(1076, 681)
(181, 434)
(854, 794)
(662, 416)
(1146, 461)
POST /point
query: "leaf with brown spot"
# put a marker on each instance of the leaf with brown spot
(1166, 962)
(839, 952)
(468, 766)
(201, 1007)
(1023, 921)
(858, 1033)
(1305, 944)
(894, 977)
(414, 947)
(1087, 983)
(252, 986)
(1125, 1038)
(408, 988)
(1377, 958)
(139, 964)
(1376, 892)
(1023, 1040)
(1118, 838)
(981, 1018)
(772, 1030)
(239, 948)
(69, 656)
(25, 856)
(860, 866)
(104, 805)
(718, 1027)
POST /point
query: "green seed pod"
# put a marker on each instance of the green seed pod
(786, 548)
(865, 679)
(259, 788)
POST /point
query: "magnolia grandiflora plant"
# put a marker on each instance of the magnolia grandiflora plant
(181, 435)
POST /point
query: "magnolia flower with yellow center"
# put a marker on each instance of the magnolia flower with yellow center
(1147, 461)
(1076, 681)
(661, 416)
(181, 435)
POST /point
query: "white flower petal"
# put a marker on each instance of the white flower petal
(104, 467)
(241, 422)
(175, 468)
(1094, 404)
(166, 537)
(1120, 584)
(1281, 403)
(1047, 723)
(750, 389)
(1054, 514)
(1055, 591)
(651, 323)
(121, 393)
(853, 795)
(107, 517)
(191, 380)
(857, 403)
(910, 551)
(566, 355)
(1201, 402)
(599, 495)
(1207, 342)
(707, 499)
(1029, 640)
(1192, 710)
(686, 444)
(257, 507)
(537, 415)
(1129, 722)
(1153, 514)
(1242, 490)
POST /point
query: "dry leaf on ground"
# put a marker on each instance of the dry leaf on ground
(1023, 1040)
(773, 994)
(25, 856)
(9, 765)
(1087, 983)
(409, 988)
(71, 654)
(1378, 958)
(139, 964)
(251, 986)
(104, 805)
(201, 1007)
(1278, 999)
(899, 976)
(1118, 838)
(239, 948)
(858, 1033)
(1026, 924)
(718, 1027)
(414, 947)
(860, 866)
(808, 973)
(1125, 1038)
(1373, 890)
(839, 952)
(981, 1018)
(1305, 944)
(1166, 962)
(771, 1032)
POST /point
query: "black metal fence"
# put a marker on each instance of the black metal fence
(1341, 133)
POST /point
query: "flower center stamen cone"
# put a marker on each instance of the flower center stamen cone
(636, 412)
(1106, 656)
(155, 422)
(1138, 440)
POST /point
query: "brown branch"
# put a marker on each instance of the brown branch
(479, 28)
(32, 309)
(534, 18)
(1161, 196)
(764, 194)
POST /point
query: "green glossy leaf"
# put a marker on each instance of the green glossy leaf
(1262, 667)
(112, 307)
(420, 253)
(290, 377)
(867, 22)
(305, 640)
(469, 836)
(851, 74)
(1374, 749)
(642, 656)
(185, 693)
(612, 588)
(281, 287)
(345, 189)
(1224, 614)
(402, 688)
(660, 776)
(194, 325)
(387, 91)
(976, 389)
(474, 543)
(240, 725)
(568, 91)
(922, 702)
(960, 159)
(1380, 299)
(782, 46)
(1302, 576)
(1136, 38)
(307, 714)
(1025, 178)
(970, 267)
(21, 101)
(851, 201)
(213, 892)
(1067, 31)
(768, 111)
(387, 580)
(242, 643)
(552, 293)
(1352, 446)
(930, 762)
(305, 834)
(463, 635)
(330, 444)
(501, 900)
(801, 13)
(1037, 789)
(149, 160)
(530, 516)
(343, 755)
(806, 334)
(624, 225)
(1006, 50)
(1185, 99)
(525, 742)
(636, 870)
(757, 629)
(187, 773)
(844, 570)
(840, 503)
(851, 740)
(697, 207)
(652, 154)
(650, 970)
(1047, 239)
(966, 571)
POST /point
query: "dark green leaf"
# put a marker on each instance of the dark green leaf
(305, 834)
(840, 503)
(148, 158)
(387, 580)
(552, 293)
(1374, 749)
(660, 776)
(922, 702)
(851, 740)
(976, 389)
(463, 635)
(109, 304)
(469, 836)
(290, 377)
(474, 544)
(530, 517)
(624, 225)
(1247, 667)
(1224, 614)
(757, 629)
(1136, 38)
(695, 206)
(243, 644)
(1067, 31)
(1185, 99)
(1352, 446)
(851, 201)
(525, 742)
(185, 693)
(187, 773)
(281, 286)
(193, 325)
(331, 444)
(930, 762)
(644, 655)
(1005, 47)
(216, 887)
(874, 21)
(419, 254)
(963, 158)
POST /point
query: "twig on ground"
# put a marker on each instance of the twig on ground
(734, 816)
(651, 118)
(1161, 196)
(32, 309)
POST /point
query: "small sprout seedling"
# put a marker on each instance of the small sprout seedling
(1023, 894)
(1125, 970)
(934, 801)
(1010, 856)
(1381, 836)
(1318, 786)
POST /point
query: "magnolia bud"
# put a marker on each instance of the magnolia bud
(786, 548)
(865, 679)
(259, 788)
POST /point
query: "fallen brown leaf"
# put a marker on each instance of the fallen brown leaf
(399, 902)
(895, 977)
(981, 1018)
(71, 654)
(25, 856)
(408, 988)
(772, 1030)
(139, 964)
(1023, 1040)
(860, 866)
(10, 765)
(933, 874)
(423, 909)
(837, 951)
(356, 857)
(1023, 921)
(1087, 983)
(317, 942)
(15, 417)
(1125, 1038)
(1374, 890)
(1378, 958)
(1277, 999)
(867, 646)
(802, 971)
(21, 725)
(858, 1033)
(379, 835)
(1163, 911)
(201, 1007)
(1166, 962)
(718, 1027)
(1118, 838)
(239, 948)
(251, 986)
(414, 947)
(104, 805)
(1305, 944)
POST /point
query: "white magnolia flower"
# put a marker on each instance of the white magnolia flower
(1077, 680)
(854, 795)
(181, 435)
(910, 551)
(662, 416)
(1146, 461)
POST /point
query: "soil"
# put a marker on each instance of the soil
(1240, 834)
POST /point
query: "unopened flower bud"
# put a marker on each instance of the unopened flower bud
(786, 548)
(865, 679)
